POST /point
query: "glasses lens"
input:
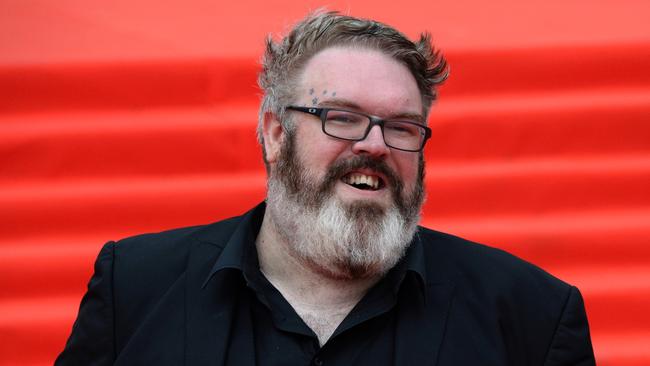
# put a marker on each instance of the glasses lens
(404, 135)
(347, 125)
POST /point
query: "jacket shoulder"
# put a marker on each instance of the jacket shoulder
(539, 318)
(149, 274)
(156, 256)
(476, 263)
(145, 266)
(130, 279)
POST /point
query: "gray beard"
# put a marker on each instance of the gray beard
(338, 240)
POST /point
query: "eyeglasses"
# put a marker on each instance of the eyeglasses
(355, 126)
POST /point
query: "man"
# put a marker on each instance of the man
(333, 268)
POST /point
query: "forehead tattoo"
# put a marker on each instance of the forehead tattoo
(314, 93)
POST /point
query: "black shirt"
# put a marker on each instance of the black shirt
(268, 331)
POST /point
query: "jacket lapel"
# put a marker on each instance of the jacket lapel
(210, 308)
(215, 286)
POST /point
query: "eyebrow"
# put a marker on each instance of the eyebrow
(346, 104)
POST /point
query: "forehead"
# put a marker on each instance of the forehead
(368, 78)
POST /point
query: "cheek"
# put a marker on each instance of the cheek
(317, 152)
(408, 167)
(320, 147)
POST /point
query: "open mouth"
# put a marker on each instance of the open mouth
(363, 181)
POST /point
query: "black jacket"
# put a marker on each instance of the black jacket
(152, 301)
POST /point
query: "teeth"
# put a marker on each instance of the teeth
(356, 178)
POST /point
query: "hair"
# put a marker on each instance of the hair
(283, 61)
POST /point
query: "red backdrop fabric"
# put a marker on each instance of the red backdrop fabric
(140, 116)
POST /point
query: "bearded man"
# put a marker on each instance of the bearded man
(333, 268)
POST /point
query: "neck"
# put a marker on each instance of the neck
(321, 301)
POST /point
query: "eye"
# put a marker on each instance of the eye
(343, 117)
(402, 128)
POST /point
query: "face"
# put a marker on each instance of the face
(363, 198)
(361, 80)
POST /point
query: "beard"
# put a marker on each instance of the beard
(341, 240)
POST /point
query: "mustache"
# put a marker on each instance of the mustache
(343, 167)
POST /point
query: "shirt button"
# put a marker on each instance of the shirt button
(318, 361)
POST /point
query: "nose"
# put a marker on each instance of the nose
(373, 144)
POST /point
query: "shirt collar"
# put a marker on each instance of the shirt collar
(416, 263)
(236, 250)
(412, 267)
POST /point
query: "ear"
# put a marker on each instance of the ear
(274, 135)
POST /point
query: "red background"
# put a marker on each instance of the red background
(122, 117)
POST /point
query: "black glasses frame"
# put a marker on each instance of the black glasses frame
(374, 121)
